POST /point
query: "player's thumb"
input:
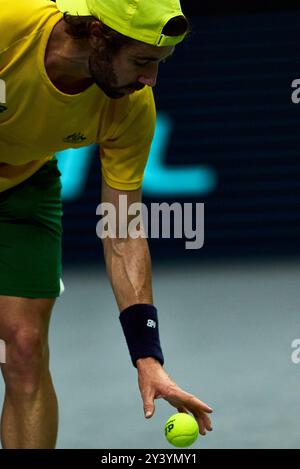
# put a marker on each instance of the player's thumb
(149, 407)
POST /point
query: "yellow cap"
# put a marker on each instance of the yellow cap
(143, 20)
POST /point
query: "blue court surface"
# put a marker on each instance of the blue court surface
(226, 330)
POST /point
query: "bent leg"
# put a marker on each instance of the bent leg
(30, 412)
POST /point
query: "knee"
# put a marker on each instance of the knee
(26, 360)
(27, 347)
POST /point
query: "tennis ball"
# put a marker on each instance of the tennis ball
(181, 430)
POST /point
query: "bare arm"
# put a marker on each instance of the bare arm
(127, 260)
(129, 268)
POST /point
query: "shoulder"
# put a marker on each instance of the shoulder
(143, 100)
(136, 108)
(130, 117)
(20, 18)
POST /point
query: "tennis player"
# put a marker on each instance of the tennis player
(73, 73)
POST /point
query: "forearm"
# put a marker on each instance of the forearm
(128, 265)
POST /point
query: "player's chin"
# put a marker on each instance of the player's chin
(111, 93)
(133, 89)
(115, 94)
(129, 90)
(119, 93)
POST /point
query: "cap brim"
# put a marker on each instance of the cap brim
(73, 7)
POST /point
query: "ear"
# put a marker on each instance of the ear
(96, 37)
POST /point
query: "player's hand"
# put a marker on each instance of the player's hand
(155, 383)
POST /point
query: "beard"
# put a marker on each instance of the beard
(103, 74)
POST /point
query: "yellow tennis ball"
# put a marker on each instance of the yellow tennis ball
(181, 430)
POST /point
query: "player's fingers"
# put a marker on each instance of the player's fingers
(148, 403)
(182, 410)
(201, 427)
(195, 405)
(207, 422)
(180, 398)
(202, 418)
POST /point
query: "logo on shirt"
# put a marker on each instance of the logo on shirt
(77, 137)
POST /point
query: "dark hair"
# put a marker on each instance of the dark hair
(79, 28)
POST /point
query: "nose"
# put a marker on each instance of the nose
(150, 77)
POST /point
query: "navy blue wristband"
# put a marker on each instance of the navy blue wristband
(140, 327)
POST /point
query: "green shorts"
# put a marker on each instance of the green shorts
(30, 236)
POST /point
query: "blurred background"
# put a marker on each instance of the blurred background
(228, 136)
